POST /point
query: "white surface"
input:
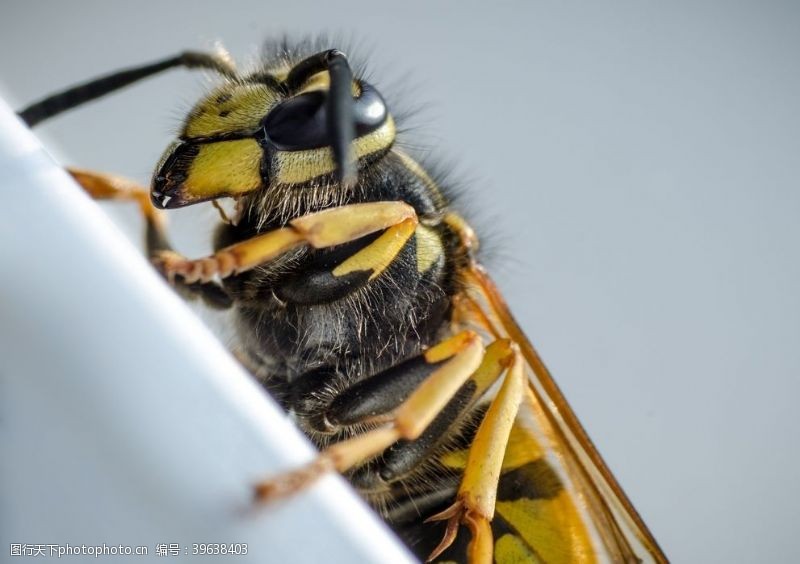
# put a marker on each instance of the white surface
(123, 420)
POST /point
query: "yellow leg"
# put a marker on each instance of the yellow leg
(377, 256)
(327, 228)
(101, 186)
(477, 493)
(410, 419)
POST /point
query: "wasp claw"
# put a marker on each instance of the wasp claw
(453, 516)
(169, 264)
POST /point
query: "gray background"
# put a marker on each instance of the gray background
(635, 166)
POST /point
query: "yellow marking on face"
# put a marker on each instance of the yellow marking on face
(510, 549)
(429, 248)
(295, 167)
(379, 254)
(552, 527)
(223, 168)
(232, 108)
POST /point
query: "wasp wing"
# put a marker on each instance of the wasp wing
(557, 499)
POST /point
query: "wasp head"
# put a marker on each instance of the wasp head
(311, 121)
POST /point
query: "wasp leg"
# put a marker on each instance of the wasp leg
(327, 228)
(383, 392)
(101, 186)
(82, 93)
(377, 256)
(477, 493)
(463, 353)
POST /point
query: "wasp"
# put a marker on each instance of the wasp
(360, 304)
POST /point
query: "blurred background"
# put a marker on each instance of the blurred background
(634, 169)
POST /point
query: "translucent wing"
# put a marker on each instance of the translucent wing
(557, 499)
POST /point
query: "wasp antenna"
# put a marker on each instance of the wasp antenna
(341, 124)
(88, 91)
(340, 115)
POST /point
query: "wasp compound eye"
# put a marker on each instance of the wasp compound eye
(369, 111)
(301, 123)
